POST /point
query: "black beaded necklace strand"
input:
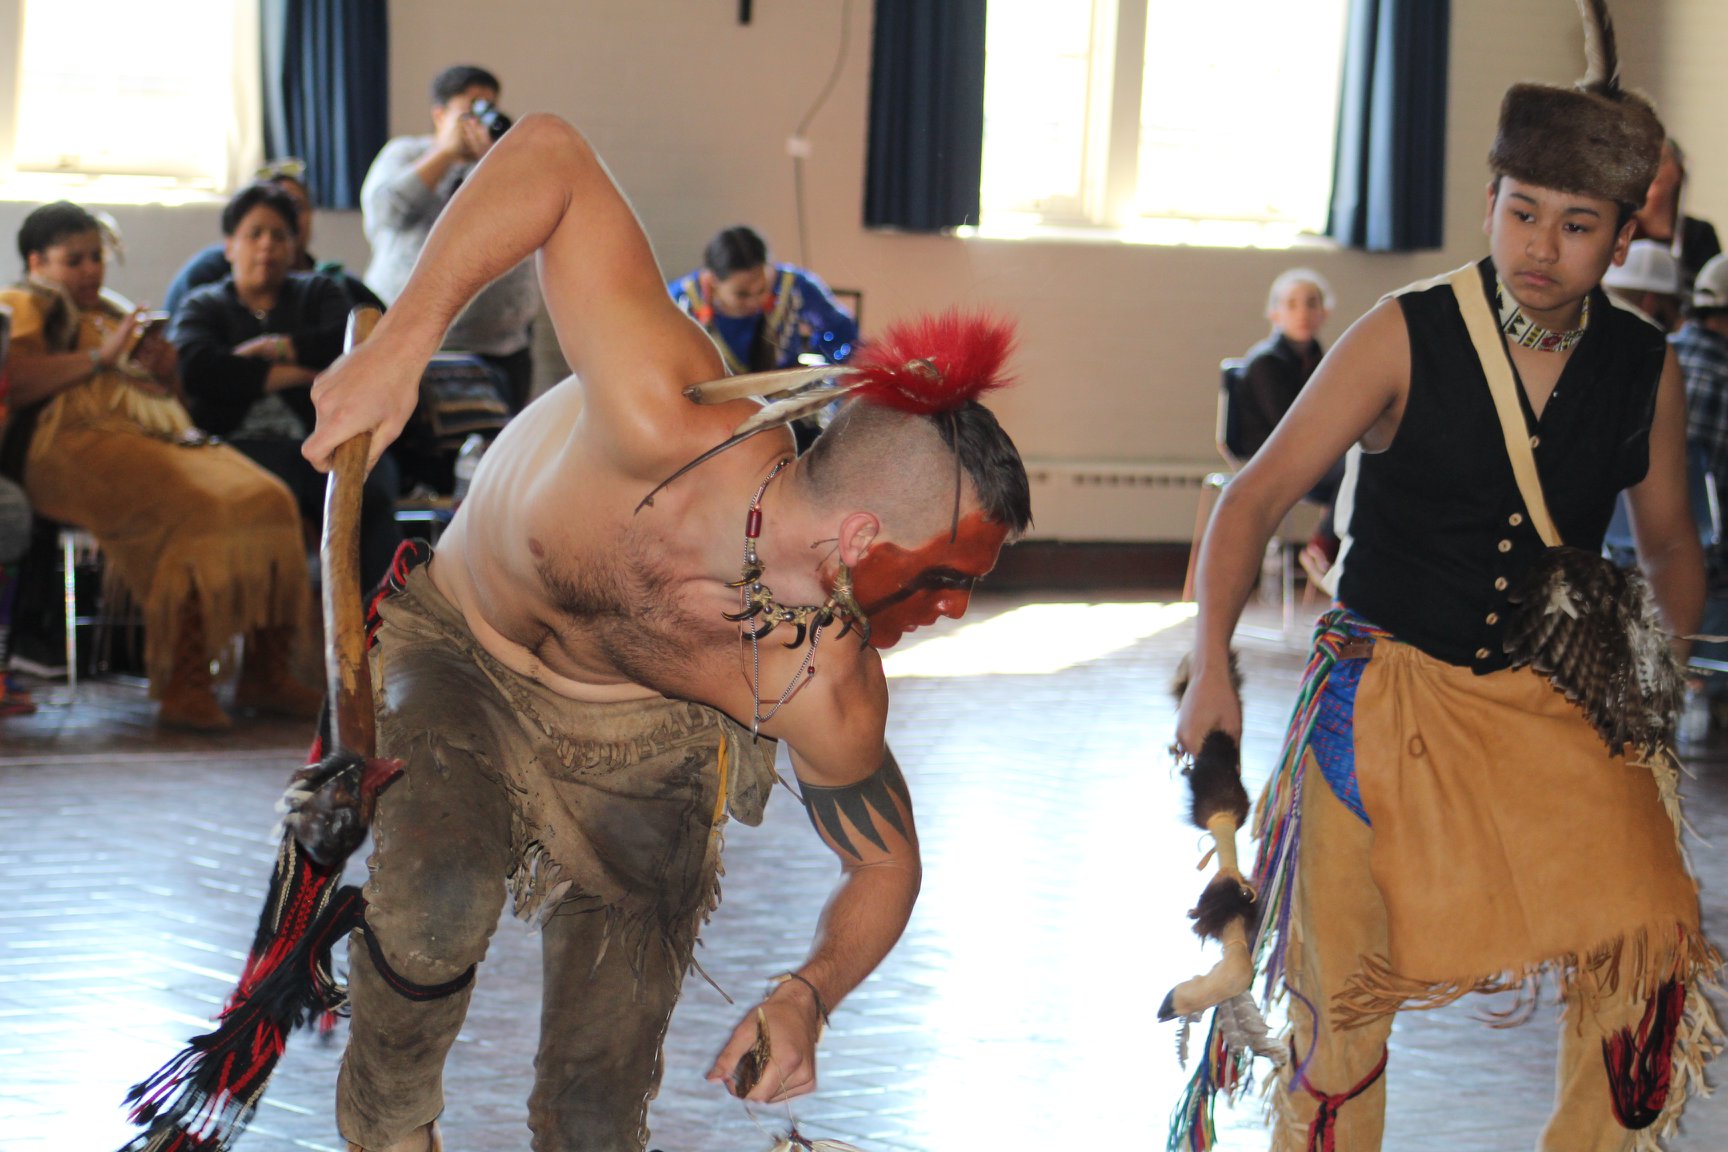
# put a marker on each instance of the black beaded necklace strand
(757, 603)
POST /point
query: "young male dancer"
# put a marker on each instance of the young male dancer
(1447, 821)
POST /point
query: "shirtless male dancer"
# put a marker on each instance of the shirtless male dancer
(574, 708)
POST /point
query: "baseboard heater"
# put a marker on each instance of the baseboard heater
(1116, 501)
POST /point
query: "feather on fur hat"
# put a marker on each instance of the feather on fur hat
(1595, 138)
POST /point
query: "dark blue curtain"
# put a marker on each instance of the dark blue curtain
(926, 144)
(327, 90)
(1389, 177)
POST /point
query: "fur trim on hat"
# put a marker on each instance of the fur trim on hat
(1594, 139)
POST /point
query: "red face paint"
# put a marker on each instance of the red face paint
(901, 589)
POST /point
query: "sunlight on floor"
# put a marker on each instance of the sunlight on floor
(1036, 640)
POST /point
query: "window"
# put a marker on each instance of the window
(1161, 120)
(157, 98)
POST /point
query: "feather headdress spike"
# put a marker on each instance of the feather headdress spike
(1596, 137)
(1601, 58)
(774, 415)
(765, 384)
(925, 366)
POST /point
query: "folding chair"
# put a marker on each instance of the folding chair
(1292, 533)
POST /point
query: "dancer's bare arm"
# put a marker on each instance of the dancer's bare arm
(1662, 526)
(1358, 388)
(540, 189)
(859, 805)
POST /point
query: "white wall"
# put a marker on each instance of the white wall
(1119, 344)
(1693, 34)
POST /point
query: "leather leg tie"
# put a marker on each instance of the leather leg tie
(405, 987)
(1322, 1133)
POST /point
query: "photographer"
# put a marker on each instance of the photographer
(409, 184)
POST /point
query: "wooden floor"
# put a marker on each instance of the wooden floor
(1017, 1014)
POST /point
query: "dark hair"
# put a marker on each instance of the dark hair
(866, 445)
(991, 460)
(737, 249)
(50, 224)
(264, 194)
(458, 78)
(1624, 211)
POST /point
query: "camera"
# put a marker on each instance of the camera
(492, 117)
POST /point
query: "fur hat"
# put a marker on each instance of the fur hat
(1595, 138)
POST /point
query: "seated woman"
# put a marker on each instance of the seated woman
(250, 346)
(211, 264)
(14, 539)
(206, 541)
(1275, 371)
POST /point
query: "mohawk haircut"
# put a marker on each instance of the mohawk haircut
(906, 463)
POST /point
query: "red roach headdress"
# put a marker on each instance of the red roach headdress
(926, 366)
(934, 364)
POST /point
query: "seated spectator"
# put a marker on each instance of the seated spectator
(762, 315)
(1701, 347)
(211, 264)
(1275, 371)
(250, 346)
(1663, 217)
(205, 541)
(1648, 280)
(14, 540)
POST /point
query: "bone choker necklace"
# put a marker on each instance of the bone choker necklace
(1526, 333)
(759, 613)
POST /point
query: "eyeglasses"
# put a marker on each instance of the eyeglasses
(287, 168)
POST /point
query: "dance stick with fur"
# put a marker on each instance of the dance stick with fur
(1218, 806)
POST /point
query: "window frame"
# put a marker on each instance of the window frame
(242, 143)
(1106, 207)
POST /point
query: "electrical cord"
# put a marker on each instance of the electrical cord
(804, 124)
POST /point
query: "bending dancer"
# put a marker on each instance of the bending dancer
(1454, 823)
(571, 689)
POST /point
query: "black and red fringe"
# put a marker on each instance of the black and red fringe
(1640, 1061)
(202, 1099)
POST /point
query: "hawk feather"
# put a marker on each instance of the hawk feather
(1591, 628)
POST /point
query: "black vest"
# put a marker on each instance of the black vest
(1437, 531)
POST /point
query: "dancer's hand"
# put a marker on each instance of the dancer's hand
(1210, 705)
(371, 389)
(788, 1060)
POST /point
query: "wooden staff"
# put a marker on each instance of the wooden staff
(346, 676)
(330, 803)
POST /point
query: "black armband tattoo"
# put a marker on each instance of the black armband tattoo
(859, 803)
